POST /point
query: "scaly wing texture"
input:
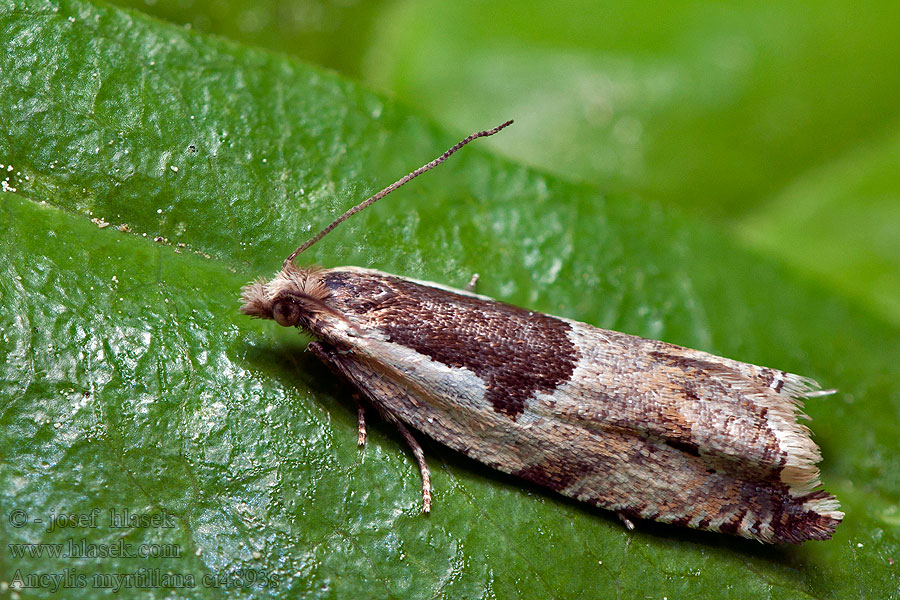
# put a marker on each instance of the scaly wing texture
(641, 427)
(686, 437)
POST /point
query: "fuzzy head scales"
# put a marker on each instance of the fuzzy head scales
(261, 297)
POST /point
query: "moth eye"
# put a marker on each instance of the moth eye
(286, 314)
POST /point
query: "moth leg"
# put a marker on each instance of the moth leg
(470, 287)
(329, 356)
(360, 421)
(420, 458)
(346, 367)
(629, 525)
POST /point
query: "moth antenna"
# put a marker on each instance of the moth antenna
(373, 199)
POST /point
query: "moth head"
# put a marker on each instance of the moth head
(288, 298)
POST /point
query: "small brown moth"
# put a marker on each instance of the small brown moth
(637, 426)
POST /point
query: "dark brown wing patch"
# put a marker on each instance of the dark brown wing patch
(516, 352)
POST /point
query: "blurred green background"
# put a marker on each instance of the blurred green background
(777, 121)
(153, 171)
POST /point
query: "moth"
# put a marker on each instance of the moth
(641, 427)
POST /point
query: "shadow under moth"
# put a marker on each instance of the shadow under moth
(641, 427)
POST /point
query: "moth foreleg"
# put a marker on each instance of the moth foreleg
(329, 356)
(343, 364)
(470, 287)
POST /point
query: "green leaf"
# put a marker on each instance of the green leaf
(729, 99)
(840, 224)
(130, 382)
